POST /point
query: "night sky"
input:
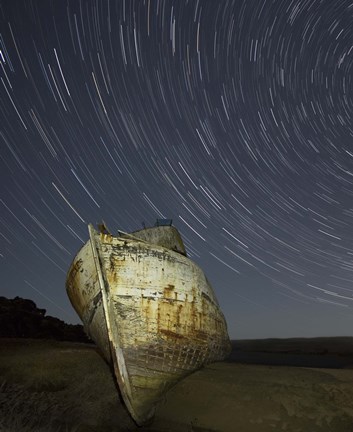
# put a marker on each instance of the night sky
(233, 118)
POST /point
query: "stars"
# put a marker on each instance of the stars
(233, 118)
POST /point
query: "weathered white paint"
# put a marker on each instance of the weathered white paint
(151, 311)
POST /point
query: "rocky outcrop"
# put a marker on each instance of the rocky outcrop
(20, 318)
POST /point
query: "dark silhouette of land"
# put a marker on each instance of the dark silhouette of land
(21, 318)
(321, 352)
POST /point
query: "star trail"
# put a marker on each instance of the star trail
(233, 118)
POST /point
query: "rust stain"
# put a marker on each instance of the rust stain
(161, 311)
(76, 267)
(201, 335)
(106, 238)
(178, 317)
(172, 334)
(168, 291)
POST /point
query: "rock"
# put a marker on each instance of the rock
(20, 318)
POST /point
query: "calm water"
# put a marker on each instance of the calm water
(279, 359)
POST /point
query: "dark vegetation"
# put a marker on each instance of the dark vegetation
(20, 318)
(51, 379)
(53, 386)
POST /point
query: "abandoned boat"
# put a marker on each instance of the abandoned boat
(149, 309)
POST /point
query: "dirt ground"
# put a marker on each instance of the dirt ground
(254, 398)
(62, 386)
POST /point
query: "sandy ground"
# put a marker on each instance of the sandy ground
(254, 398)
(61, 386)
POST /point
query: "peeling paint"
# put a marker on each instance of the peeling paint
(164, 319)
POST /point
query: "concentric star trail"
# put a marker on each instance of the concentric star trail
(233, 118)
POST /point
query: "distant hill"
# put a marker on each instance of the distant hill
(342, 346)
(21, 318)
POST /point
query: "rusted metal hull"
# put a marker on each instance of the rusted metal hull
(150, 310)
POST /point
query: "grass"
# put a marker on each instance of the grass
(57, 387)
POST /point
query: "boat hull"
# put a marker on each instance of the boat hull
(152, 313)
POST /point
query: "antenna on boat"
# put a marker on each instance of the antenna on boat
(102, 228)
